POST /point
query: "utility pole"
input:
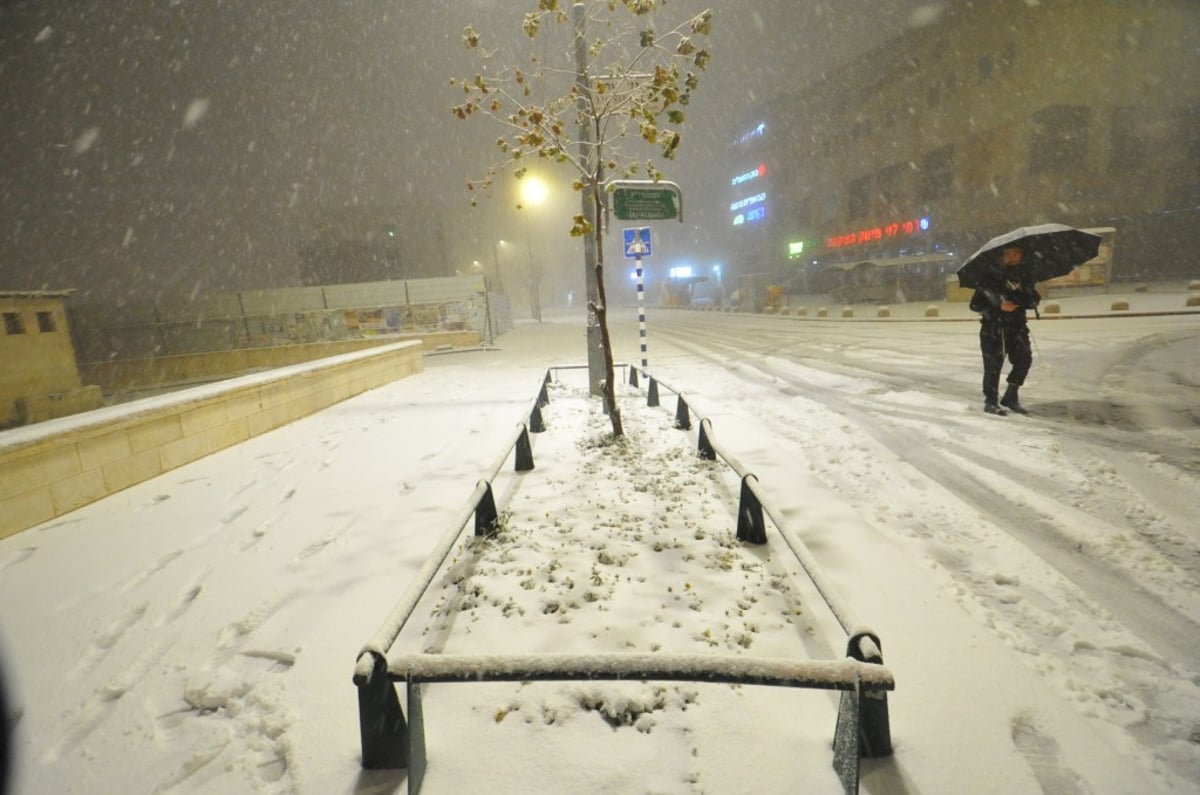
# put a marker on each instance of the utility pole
(496, 263)
(595, 345)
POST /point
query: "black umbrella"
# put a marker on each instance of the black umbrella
(1049, 250)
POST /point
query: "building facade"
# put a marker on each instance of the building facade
(997, 115)
(39, 376)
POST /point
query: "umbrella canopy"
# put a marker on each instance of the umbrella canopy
(1049, 250)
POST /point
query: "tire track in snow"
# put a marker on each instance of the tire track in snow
(1171, 633)
(1147, 692)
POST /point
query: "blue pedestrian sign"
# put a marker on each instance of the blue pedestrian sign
(637, 242)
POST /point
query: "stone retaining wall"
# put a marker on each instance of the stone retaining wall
(52, 468)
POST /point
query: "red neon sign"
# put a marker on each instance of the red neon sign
(876, 233)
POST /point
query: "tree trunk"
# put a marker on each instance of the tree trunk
(609, 390)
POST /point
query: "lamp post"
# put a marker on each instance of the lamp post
(489, 331)
(533, 193)
(496, 262)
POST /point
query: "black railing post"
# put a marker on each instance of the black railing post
(683, 420)
(524, 454)
(536, 423)
(633, 378)
(704, 447)
(416, 737)
(750, 528)
(652, 393)
(875, 732)
(381, 725)
(846, 750)
(485, 513)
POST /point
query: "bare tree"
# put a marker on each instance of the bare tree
(621, 105)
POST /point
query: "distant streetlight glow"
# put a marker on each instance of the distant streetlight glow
(533, 191)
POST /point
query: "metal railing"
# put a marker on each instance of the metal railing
(391, 741)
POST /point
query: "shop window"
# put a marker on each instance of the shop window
(888, 188)
(934, 95)
(1059, 143)
(1129, 139)
(858, 198)
(1183, 183)
(804, 213)
(937, 173)
(1134, 38)
(1008, 59)
(46, 322)
(13, 323)
(985, 68)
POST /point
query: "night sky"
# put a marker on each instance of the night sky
(184, 146)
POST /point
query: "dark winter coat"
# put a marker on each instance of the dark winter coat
(1012, 283)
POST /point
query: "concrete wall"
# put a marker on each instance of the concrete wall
(175, 325)
(53, 468)
(157, 372)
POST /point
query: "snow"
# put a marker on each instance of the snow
(1032, 580)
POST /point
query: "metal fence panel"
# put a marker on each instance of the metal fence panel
(366, 294)
(282, 301)
(444, 290)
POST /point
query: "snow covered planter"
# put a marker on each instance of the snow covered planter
(640, 580)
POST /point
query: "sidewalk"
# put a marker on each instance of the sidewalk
(1120, 300)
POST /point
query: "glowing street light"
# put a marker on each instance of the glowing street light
(533, 192)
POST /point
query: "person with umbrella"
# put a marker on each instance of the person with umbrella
(1004, 274)
(1001, 300)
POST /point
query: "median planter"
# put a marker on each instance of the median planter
(624, 589)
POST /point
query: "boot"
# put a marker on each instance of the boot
(992, 407)
(1010, 400)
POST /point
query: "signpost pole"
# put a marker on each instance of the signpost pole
(637, 245)
(641, 291)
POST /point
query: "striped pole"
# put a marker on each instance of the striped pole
(641, 292)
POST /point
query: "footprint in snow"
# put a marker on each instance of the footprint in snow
(1043, 756)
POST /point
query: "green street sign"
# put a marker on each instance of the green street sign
(644, 203)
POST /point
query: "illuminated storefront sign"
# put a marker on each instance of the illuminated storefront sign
(759, 130)
(795, 249)
(742, 204)
(751, 217)
(878, 233)
(761, 171)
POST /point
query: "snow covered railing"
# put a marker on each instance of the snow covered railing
(481, 506)
(396, 743)
(391, 741)
(862, 643)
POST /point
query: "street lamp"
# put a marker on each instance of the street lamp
(496, 262)
(488, 323)
(533, 193)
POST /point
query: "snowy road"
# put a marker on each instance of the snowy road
(1100, 423)
(1034, 580)
(1097, 489)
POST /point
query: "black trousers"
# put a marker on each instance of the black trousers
(998, 339)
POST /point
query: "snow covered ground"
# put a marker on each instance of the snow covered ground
(1033, 579)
